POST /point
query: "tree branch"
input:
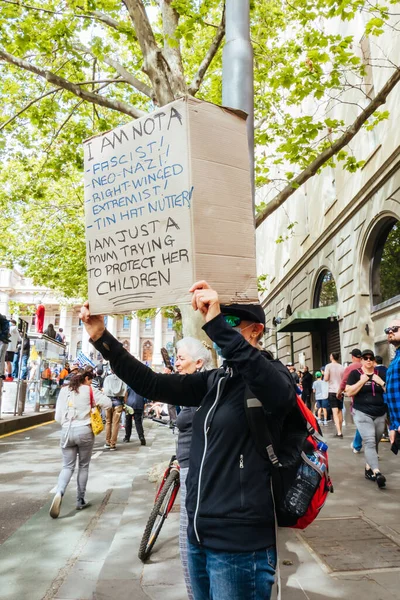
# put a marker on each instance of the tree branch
(318, 162)
(121, 70)
(212, 51)
(99, 16)
(172, 50)
(128, 77)
(153, 63)
(117, 105)
(27, 106)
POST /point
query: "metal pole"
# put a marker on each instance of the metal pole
(19, 371)
(237, 68)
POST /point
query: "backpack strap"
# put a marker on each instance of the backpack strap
(259, 429)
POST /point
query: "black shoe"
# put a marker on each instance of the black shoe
(125, 441)
(143, 441)
(339, 435)
(380, 480)
(81, 504)
(369, 474)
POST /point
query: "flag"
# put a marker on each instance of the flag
(83, 360)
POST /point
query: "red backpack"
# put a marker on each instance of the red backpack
(299, 459)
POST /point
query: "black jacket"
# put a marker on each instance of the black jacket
(229, 502)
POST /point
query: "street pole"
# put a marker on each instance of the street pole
(237, 68)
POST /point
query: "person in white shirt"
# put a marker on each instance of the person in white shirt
(320, 389)
(73, 408)
(333, 374)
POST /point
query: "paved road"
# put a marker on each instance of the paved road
(351, 552)
(30, 463)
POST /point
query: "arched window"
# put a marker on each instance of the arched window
(147, 353)
(325, 290)
(385, 272)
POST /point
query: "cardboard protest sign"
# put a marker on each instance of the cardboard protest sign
(168, 202)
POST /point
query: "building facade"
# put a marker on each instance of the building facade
(144, 339)
(333, 281)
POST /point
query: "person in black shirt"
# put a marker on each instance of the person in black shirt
(307, 383)
(367, 389)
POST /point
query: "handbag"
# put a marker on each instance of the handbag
(96, 421)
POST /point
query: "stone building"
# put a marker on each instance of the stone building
(143, 339)
(334, 283)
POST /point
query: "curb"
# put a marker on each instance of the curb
(13, 424)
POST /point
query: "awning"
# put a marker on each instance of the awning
(315, 319)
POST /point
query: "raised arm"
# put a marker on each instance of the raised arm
(187, 390)
(271, 386)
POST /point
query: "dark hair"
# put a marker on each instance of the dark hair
(13, 321)
(335, 355)
(378, 359)
(79, 378)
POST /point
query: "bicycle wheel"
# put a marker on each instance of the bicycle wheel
(158, 515)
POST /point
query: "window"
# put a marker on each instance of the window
(33, 320)
(325, 290)
(57, 320)
(147, 325)
(78, 347)
(80, 322)
(126, 323)
(385, 274)
(170, 324)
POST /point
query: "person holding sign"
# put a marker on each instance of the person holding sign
(231, 531)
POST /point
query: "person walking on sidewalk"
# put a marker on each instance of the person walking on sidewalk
(192, 357)
(136, 402)
(73, 408)
(367, 389)
(231, 530)
(392, 395)
(307, 387)
(115, 389)
(356, 444)
(320, 389)
(333, 374)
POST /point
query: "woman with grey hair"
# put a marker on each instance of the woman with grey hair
(192, 355)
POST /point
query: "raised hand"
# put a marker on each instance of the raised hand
(205, 300)
(94, 324)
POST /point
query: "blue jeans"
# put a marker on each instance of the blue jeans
(357, 442)
(218, 575)
(24, 366)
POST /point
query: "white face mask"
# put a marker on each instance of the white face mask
(241, 329)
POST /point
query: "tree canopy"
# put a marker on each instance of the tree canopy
(72, 69)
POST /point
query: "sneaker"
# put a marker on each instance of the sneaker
(107, 446)
(325, 423)
(385, 438)
(380, 480)
(55, 506)
(112, 448)
(369, 474)
(81, 504)
(344, 423)
(125, 441)
(354, 450)
(143, 441)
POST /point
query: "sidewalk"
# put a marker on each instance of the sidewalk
(352, 551)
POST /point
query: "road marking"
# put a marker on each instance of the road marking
(96, 454)
(26, 429)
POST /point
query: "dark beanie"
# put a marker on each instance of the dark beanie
(247, 312)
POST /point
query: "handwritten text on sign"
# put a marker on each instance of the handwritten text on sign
(138, 200)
